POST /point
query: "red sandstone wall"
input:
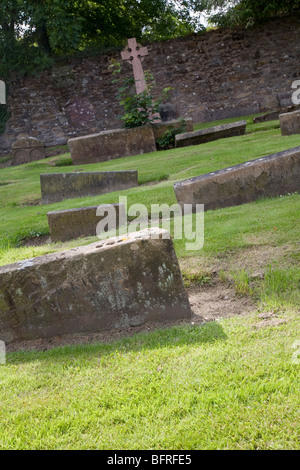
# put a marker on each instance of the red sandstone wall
(216, 75)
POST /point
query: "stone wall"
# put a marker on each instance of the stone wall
(216, 75)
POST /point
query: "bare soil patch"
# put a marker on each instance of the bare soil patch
(219, 301)
(36, 241)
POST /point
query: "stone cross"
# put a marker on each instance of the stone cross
(2, 93)
(134, 54)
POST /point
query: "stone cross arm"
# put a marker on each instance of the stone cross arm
(134, 51)
(134, 54)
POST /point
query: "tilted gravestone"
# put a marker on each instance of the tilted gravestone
(108, 145)
(80, 222)
(273, 115)
(272, 175)
(122, 282)
(26, 150)
(212, 133)
(56, 187)
(290, 123)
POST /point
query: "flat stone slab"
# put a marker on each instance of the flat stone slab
(160, 128)
(290, 123)
(272, 175)
(26, 150)
(56, 187)
(75, 223)
(272, 116)
(122, 282)
(212, 133)
(108, 145)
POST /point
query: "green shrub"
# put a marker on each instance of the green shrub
(139, 109)
(167, 141)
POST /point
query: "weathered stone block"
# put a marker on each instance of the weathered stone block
(122, 282)
(268, 176)
(57, 187)
(212, 133)
(290, 123)
(75, 223)
(168, 112)
(111, 144)
(26, 150)
(161, 127)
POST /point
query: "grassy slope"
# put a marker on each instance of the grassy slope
(223, 385)
(20, 186)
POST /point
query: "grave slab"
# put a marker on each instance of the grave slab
(161, 127)
(79, 222)
(290, 123)
(123, 282)
(108, 145)
(270, 176)
(212, 133)
(26, 150)
(56, 187)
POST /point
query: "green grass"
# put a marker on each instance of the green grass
(228, 384)
(223, 385)
(22, 217)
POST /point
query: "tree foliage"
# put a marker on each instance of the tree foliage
(247, 13)
(31, 31)
(34, 31)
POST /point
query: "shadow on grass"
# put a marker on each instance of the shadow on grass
(174, 337)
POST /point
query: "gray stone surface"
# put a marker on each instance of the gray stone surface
(26, 150)
(75, 223)
(161, 127)
(212, 133)
(122, 282)
(57, 187)
(290, 123)
(272, 175)
(168, 112)
(272, 116)
(108, 145)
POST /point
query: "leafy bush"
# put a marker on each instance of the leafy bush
(139, 109)
(167, 141)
